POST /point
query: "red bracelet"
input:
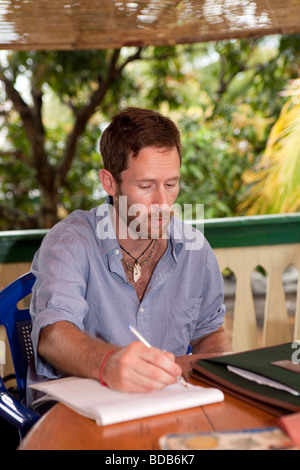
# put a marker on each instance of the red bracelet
(102, 366)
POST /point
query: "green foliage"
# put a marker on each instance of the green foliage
(211, 170)
(82, 189)
(225, 97)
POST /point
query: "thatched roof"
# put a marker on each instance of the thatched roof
(97, 24)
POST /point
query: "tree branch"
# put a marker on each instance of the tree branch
(19, 104)
(31, 119)
(83, 115)
(133, 57)
(37, 97)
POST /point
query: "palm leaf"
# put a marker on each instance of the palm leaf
(275, 185)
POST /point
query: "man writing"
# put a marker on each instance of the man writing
(127, 262)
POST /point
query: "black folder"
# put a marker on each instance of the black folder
(214, 372)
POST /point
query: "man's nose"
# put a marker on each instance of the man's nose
(160, 197)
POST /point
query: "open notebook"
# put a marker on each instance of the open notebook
(89, 398)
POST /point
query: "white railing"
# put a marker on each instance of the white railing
(274, 259)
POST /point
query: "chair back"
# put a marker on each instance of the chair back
(17, 323)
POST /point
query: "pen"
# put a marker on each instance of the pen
(138, 335)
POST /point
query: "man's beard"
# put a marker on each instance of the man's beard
(139, 223)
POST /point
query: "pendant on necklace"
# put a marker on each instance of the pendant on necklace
(136, 272)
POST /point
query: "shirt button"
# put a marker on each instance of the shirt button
(142, 309)
(116, 252)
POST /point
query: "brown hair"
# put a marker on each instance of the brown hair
(132, 130)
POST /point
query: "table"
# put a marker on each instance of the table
(63, 429)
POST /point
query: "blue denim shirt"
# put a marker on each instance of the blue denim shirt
(80, 278)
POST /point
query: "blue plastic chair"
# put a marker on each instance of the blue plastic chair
(18, 328)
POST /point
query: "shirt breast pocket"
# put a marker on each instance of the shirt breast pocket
(181, 318)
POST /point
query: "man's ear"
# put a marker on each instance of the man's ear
(108, 182)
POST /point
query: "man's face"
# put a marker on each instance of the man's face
(151, 185)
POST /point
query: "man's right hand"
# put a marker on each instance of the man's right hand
(136, 368)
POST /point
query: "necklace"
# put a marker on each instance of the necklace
(136, 267)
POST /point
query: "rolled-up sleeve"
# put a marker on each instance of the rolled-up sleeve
(61, 270)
